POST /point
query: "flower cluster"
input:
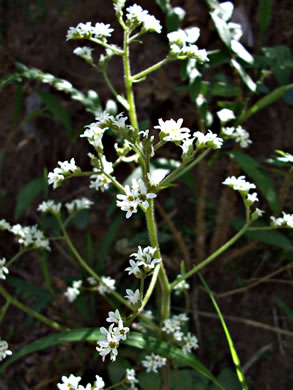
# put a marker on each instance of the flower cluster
(190, 342)
(153, 362)
(174, 325)
(180, 287)
(172, 131)
(283, 222)
(73, 292)
(78, 205)
(239, 184)
(85, 53)
(100, 31)
(59, 174)
(182, 44)
(30, 236)
(99, 180)
(241, 136)
(136, 16)
(106, 285)
(3, 270)
(134, 197)
(113, 336)
(208, 140)
(131, 378)
(72, 383)
(145, 262)
(4, 225)
(4, 351)
(50, 207)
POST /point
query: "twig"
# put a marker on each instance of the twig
(256, 357)
(254, 284)
(245, 321)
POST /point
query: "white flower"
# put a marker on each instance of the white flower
(68, 167)
(84, 52)
(99, 383)
(153, 362)
(286, 157)
(172, 130)
(50, 206)
(288, 219)
(150, 23)
(173, 326)
(226, 115)
(133, 197)
(4, 351)
(239, 184)
(145, 258)
(4, 225)
(102, 31)
(259, 212)
(134, 267)
(190, 342)
(132, 296)
(94, 133)
(251, 198)
(241, 136)
(30, 236)
(101, 181)
(113, 335)
(156, 176)
(114, 316)
(82, 30)
(72, 292)
(88, 387)
(277, 222)
(180, 287)
(3, 270)
(69, 383)
(208, 140)
(78, 205)
(55, 178)
(131, 378)
(107, 285)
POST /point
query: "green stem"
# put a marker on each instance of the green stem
(150, 69)
(3, 310)
(159, 271)
(128, 82)
(118, 97)
(107, 46)
(182, 169)
(86, 266)
(31, 312)
(211, 257)
(14, 258)
(254, 229)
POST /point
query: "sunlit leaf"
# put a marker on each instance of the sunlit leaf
(244, 76)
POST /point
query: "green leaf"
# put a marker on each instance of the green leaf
(174, 18)
(149, 380)
(57, 109)
(228, 379)
(244, 76)
(137, 340)
(222, 28)
(188, 380)
(27, 195)
(285, 308)
(254, 170)
(224, 89)
(235, 384)
(266, 101)
(265, 14)
(9, 79)
(164, 5)
(269, 237)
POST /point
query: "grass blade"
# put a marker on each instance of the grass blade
(233, 352)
